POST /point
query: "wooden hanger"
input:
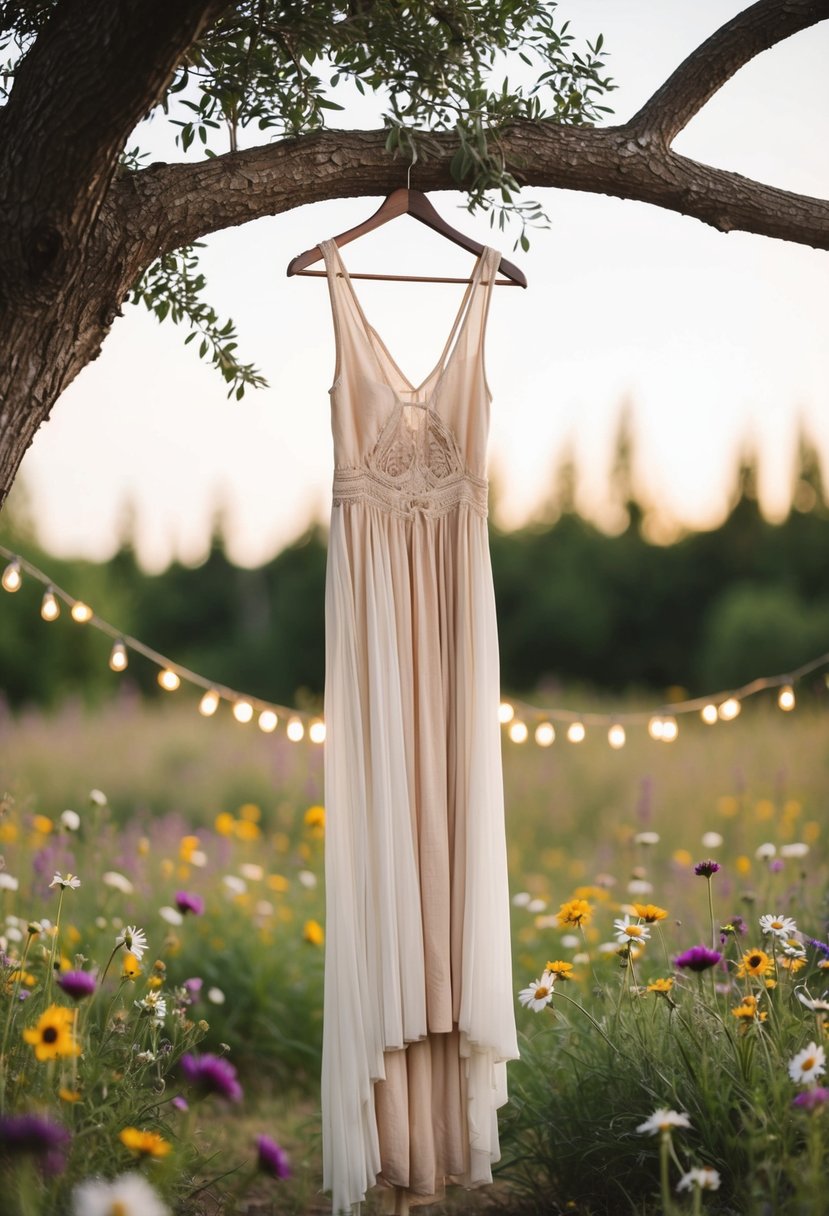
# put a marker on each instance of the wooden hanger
(415, 203)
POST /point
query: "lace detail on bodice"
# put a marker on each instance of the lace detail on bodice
(415, 466)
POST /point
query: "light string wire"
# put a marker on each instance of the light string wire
(514, 713)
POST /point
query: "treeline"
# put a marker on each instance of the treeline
(710, 611)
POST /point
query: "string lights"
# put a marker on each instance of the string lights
(521, 720)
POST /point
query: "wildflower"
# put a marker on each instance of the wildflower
(128, 1195)
(792, 963)
(77, 984)
(130, 969)
(20, 977)
(308, 879)
(776, 865)
(180, 1103)
(705, 869)
(134, 939)
(224, 823)
(234, 884)
(662, 1121)
(210, 1074)
(193, 987)
(646, 838)
(42, 824)
(777, 926)
(8, 882)
(272, 1158)
(698, 958)
(650, 913)
(747, 1010)
(639, 886)
(704, 1177)
(97, 798)
(313, 932)
(154, 1005)
(797, 848)
(70, 820)
(559, 970)
(820, 946)
(711, 840)
(630, 931)
(754, 962)
(808, 1064)
(315, 820)
(539, 994)
(215, 996)
(812, 1099)
(69, 1095)
(71, 880)
(53, 1035)
(794, 948)
(816, 1004)
(172, 916)
(251, 871)
(187, 902)
(118, 882)
(33, 1134)
(144, 1143)
(661, 985)
(575, 912)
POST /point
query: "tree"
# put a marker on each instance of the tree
(84, 227)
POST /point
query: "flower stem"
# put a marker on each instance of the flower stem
(711, 914)
(55, 936)
(664, 1184)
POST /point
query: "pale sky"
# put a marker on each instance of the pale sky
(713, 339)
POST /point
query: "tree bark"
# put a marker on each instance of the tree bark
(74, 235)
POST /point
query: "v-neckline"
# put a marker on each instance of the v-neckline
(445, 358)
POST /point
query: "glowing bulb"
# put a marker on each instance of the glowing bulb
(209, 703)
(655, 728)
(81, 612)
(518, 732)
(295, 730)
(49, 608)
(616, 735)
(505, 713)
(576, 732)
(268, 721)
(545, 734)
(12, 578)
(118, 658)
(316, 731)
(242, 711)
(670, 730)
(709, 714)
(168, 679)
(729, 709)
(785, 698)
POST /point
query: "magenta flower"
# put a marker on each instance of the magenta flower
(32, 1134)
(187, 902)
(272, 1158)
(698, 958)
(210, 1074)
(704, 869)
(179, 1103)
(812, 1099)
(77, 984)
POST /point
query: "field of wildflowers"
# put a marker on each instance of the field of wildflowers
(162, 931)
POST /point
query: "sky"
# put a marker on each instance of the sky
(714, 342)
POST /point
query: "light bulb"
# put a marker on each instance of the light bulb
(545, 734)
(49, 608)
(670, 730)
(12, 578)
(505, 712)
(709, 714)
(118, 658)
(209, 703)
(81, 612)
(785, 698)
(242, 711)
(168, 679)
(729, 709)
(316, 731)
(655, 728)
(518, 732)
(576, 732)
(616, 736)
(268, 721)
(295, 730)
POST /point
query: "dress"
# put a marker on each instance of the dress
(419, 1017)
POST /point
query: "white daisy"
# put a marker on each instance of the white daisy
(794, 948)
(235, 884)
(646, 838)
(70, 820)
(779, 925)
(663, 1120)
(816, 1004)
(704, 1177)
(308, 879)
(251, 871)
(639, 886)
(630, 930)
(808, 1064)
(71, 880)
(153, 1004)
(711, 840)
(215, 996)
(134, 939)
(537, 905)
(766, 851)
(171, 915)
(118, 881)
(129, 1195)
(8, 882)
(97, 798)
(539, 994)
(797, 848)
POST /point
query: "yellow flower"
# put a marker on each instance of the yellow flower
(682, 857)
(225, 824)
(560, 970)
(24, 977)
(69, 1095)
(743, 864)
(167, 867)
(130, 968)
(42, 824)
(187, 847)
(313, 932)
(53, 1035)
(277, 882)
(144, 1144)
(250, 812)
(755, 962)
(8, 833)
(661, 985)
(747, 1009)
(73, 935)
(155, 981)
(591, 892)
(792, 964)
(575, 912)
(764, 809)
(246, 829)
(315, 820)
(650, 912)
(144, 846)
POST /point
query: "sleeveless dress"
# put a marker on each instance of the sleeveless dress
(419, 1017)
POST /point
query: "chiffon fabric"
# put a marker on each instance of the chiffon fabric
(419, 1018)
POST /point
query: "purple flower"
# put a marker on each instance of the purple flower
(776, 865)
(180, 1103)
(812, 1099)
(211, 1074)
(77, 984)
(32, 1134)
(704, 869)
(698, 958)
(819, 945)
(187, 902)
(193, 987)
(272, 1158)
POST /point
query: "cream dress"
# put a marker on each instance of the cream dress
(419, 1017)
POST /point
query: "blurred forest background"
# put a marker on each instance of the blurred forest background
(615, 613)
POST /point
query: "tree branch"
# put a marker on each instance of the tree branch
(716, 60)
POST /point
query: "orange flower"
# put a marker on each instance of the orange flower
(650, 912)
(144, 1144)
(575, 912)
